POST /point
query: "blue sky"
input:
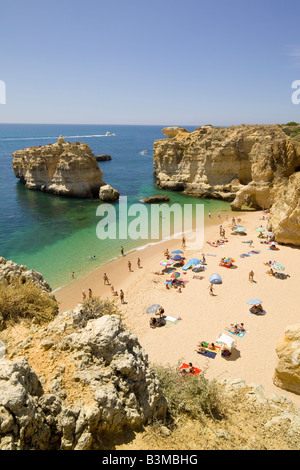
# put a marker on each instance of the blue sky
(165, 62)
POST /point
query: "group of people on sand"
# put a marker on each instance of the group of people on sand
(237, 328)
(159, 321)
(203, 346)
(256, 309)
(84, 294)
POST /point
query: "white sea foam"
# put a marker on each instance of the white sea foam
(53, 137)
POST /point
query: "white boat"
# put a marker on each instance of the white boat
(110, 133)
(144, 151)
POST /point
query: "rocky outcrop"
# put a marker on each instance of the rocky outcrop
(287, 372)
(155, 199)
(11, 272)
(284, 218)
(240, 164)
(92, 379)
(64, 168)
(103, 158)
(107, 193)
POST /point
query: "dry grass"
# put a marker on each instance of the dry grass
(26, 301)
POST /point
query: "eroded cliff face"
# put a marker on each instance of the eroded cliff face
(257, 166)
(284, 218)
(64, 168)
(241, 164)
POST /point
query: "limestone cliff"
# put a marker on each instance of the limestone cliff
(246, 164)
(287, 372)
(240, 163)
(64, 168)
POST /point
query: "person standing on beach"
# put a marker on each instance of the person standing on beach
(105, 279)
(83, 295)
(129, 266)
(209, 215)
(251, 275)
(90, 293)
(121, 296)
(73, 274)
(211, 289)
(183, 242)
(139, 262)
(122, 251)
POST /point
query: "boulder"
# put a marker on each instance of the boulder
(107, 193)
(154, 199)
(287, 371)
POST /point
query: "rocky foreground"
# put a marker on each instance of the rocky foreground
(252, 165)
(82, 381)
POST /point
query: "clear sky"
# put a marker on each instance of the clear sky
(165, 62)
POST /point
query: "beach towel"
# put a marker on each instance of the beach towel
(240, 335)
(210, 352)
(185, 366)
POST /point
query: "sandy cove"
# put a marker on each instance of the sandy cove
(204, 317)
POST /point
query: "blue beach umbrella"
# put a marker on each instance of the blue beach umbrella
(260, 229)
(239, 228)
(254, 302)
(152, 308)
(177, 258)
(215, 279)
(176, 252)
(194, 261)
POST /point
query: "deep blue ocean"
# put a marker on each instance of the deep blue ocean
(56, 235)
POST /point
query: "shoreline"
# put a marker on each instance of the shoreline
(205, 317)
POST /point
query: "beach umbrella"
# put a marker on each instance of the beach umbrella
(177, 258)
(198, 268)
(270, 234)
(254, 302)
(174, 275)
(166, 262)
(239, 228)
(152, 308)
(260, 229)
(194, 261)
(273, 243)
(278, 266)
(176, 252)
(229, 260)
(215, 279)
(226, 340)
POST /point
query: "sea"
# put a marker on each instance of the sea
(56, 235)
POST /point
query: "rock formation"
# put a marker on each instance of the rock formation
(287, 372)
(284, 218)
(155, 199)
(103, 158)
(246, 164)
(10, 272)
(102, 383)
(64, 168)
(107, 193)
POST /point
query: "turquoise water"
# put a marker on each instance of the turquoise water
(57, 235)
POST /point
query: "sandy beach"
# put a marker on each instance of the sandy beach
(204, 317)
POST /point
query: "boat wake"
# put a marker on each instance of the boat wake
(54, 137)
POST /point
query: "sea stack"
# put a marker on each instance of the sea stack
(63, 168)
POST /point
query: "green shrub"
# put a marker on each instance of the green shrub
(21, 301)
(95, 307)
(190, 395)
